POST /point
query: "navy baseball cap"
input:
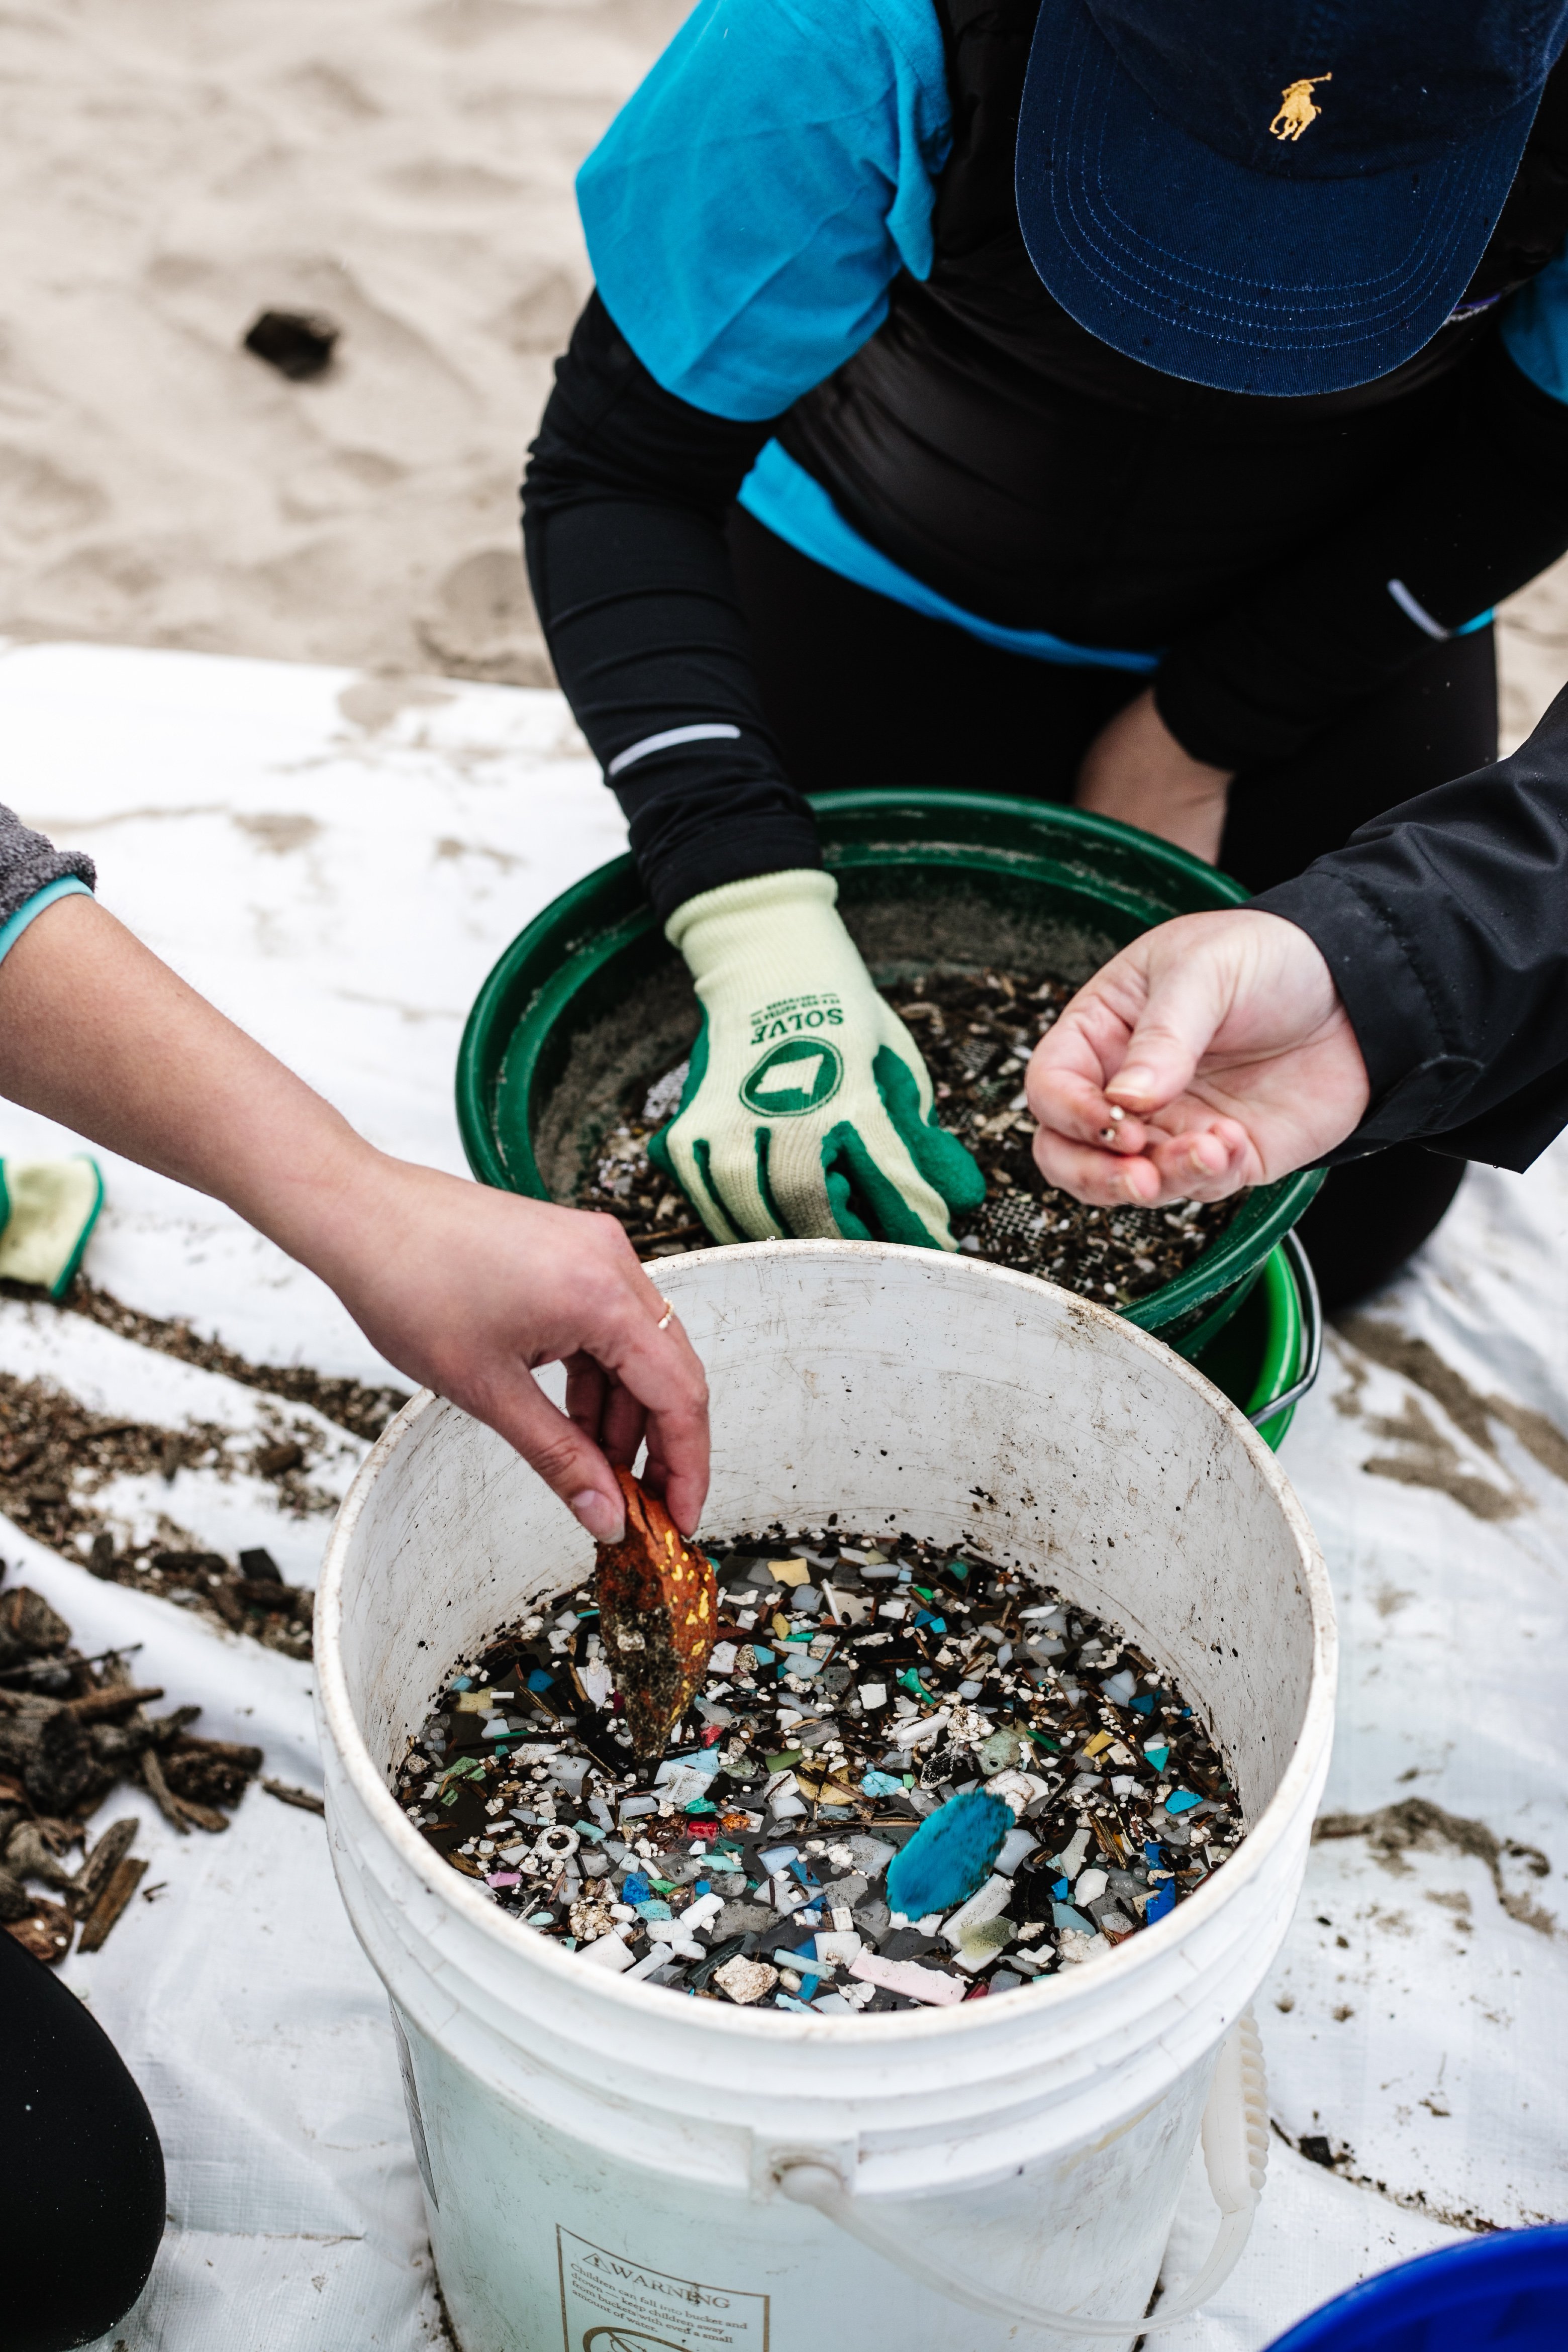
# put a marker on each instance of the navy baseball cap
(1274, 196)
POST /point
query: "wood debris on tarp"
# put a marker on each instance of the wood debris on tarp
(71, 1729)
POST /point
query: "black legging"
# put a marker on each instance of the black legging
(861, 692)
(82, 2172)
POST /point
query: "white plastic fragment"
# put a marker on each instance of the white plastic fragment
(1090, 1887)
(988, 1903)
(933, 1985)
(838, 1949)
(917, 1731)
(1018, 1788)
(722, 1661)
(745, 1980)
(1069, 1862)
(1015, 1850)
(607, 1952)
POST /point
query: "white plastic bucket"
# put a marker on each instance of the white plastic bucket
(601, 2160)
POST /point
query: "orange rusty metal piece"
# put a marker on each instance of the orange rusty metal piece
(659, 1613)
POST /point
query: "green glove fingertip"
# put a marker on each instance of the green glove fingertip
(948, 1167)
(848, 1163)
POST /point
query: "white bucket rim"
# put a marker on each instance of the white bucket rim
(1063, 1993)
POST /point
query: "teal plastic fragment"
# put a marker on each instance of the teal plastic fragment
(1181, 1800)
(950, 1855)
(1066, 1921)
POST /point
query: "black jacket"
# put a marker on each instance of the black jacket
(1445, 923)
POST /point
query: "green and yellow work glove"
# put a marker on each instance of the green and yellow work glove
(807, 1111)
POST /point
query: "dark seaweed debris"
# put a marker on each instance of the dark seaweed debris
(855, 1688)
(976, 1032)
(71, 1731)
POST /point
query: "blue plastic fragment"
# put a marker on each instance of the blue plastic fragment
(1062, 1890)
(637, 1888)
(539, 1680)
(949, 1858)
(462, 1682)
(881, 1784)
(1066, 1921)
(774, 1857)
(656, 1908)
(1162, 1900)
(702, 1887)
(1181, 1800)
(1152, 1856)
(764, 1657)
(1144, 1703)
(788, 2001)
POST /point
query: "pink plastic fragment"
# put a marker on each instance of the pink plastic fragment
(908, 1978)
(503, 1878)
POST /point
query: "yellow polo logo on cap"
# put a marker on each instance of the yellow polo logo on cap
(1298, 110)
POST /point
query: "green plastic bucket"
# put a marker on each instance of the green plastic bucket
(591, 993)
(1265, 1358)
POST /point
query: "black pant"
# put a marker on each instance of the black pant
(862, 692)
(82, 2172)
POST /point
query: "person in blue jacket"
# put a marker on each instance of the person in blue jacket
(1105, 400)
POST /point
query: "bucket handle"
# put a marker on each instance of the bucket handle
(1312, 1321)
(1235, 2154)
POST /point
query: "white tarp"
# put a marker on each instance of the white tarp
(338, 862)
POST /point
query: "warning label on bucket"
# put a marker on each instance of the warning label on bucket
(611, 2305)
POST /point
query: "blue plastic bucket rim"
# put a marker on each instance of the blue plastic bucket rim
(1449, 2283)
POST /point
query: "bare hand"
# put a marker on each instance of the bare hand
(469, 1291)
(1135, 770)
(462, 1288)
(1211, 1054)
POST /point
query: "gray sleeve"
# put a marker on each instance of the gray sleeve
(29, 864)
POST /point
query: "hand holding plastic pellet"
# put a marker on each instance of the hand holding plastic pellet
(659, 1610)
(807, 1112)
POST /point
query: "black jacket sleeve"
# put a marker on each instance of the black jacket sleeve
(623, 505)
(1445, 923)
(1458, 533)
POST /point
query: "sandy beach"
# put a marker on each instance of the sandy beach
(170, 171)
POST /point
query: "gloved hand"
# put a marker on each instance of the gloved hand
(807, 1112)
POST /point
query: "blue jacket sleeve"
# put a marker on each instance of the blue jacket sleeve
(749, 207)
